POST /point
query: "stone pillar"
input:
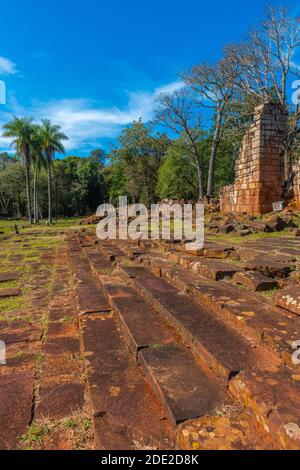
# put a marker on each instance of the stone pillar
(259, 169)
(296, 184)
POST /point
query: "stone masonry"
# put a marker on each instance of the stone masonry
(259, 171)
(297, 184)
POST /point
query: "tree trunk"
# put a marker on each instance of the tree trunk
(212, 161)
(37, 198)
(200, 181)
(286, 163)
(28, 190)
(49, 160)
(56, 201)
(35, 209)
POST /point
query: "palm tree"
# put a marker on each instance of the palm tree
(51, 138)
(21, 130)
(37, 163)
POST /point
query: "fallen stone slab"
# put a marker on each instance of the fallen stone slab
(61, 368)
(15, 334)
(18, 361)
(60, 400)
(228, 228)
(111, 253)
(5, 277)
(179, 383)
(16, 400)
(289, 299)
(61, 329)
(255, 281)
(61, 345)
(59, 314)
(270, 267)
(214, 269)
(243, 232)
(6, 293)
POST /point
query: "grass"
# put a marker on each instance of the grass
(10, 304)
(254, 236)
(32, 247)
(77, 430)
(35, 435)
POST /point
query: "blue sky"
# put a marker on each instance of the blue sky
(93, 66)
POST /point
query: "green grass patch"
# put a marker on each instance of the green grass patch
(35, 435)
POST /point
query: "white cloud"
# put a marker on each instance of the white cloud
(7, 67)
(86, 123)
(295, 66)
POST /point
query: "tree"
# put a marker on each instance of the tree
(177, 178)
(89, 190)
(21, 131)
(51, 140)
(138, 157)
(99, 155)
(12, 188)
(114, 177)
(215, 86)
(38, 163)
(177, 112)
(266, 61)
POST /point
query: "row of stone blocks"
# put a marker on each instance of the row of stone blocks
(254, 209)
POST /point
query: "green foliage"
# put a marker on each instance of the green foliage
(135, 163)
(79, 186)
(176, 177)
(35, 435)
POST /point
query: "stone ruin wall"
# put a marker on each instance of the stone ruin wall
(297, 184)
(258, 169)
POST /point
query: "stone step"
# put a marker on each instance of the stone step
(184, 389)
(254, 281)
(289, 299)
(142, 326)
(217, 346)
(248, 313)
(144, 329)
(89, 294)
(210, 268)
(180, 385)
(91, 299)
(97, 262)
(125, 412)
(275, 399)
